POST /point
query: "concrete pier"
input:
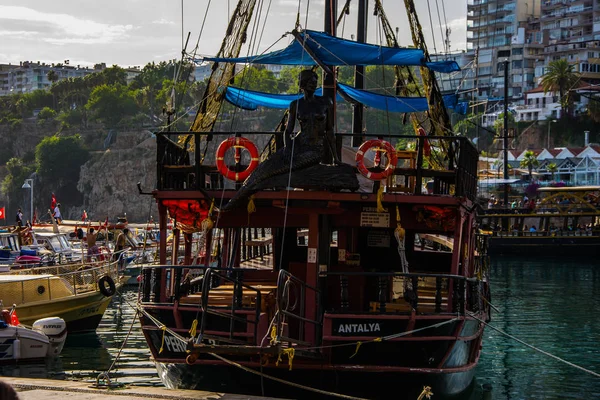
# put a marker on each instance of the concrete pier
(47, 389)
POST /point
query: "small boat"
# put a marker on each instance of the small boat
(563, 221)
(77, 293)
(45, 338)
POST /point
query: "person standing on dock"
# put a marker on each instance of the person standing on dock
(120, 247)
(57, 215)
(91, 238)
(19, 218)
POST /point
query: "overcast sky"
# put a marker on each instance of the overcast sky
(135, 32)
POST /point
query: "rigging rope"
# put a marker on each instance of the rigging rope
(431, 24)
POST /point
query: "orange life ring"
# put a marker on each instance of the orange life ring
(391, 156)
(237, 143)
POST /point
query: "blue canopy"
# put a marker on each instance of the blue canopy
(251, 100)
(337, 51)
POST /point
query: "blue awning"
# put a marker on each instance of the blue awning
(337, 51)
(251, 100)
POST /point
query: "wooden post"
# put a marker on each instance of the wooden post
(312, 276)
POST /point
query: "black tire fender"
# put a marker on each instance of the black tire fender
(107, 291)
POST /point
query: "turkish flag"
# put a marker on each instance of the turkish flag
(53, 204)
(2, 213)
(84, 216)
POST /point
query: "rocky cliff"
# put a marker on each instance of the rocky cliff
(109, 179)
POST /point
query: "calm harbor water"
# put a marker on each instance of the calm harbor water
(550, 304)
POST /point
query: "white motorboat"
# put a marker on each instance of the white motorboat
(45, 339)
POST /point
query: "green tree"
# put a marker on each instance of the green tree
(529, 161)
(111, 104)
(560, 77)
(16, 173)
(499, 123)
(59, 161)
(256, 78)
(552, 168)
(52, 76)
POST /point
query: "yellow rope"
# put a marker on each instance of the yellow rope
(193, 328)
(357, 347)
(207, 223)
(425, 393)
(251, 205)
(290, 355)
(162, 344)
(274, 335)
(380, 199)
(399, 229)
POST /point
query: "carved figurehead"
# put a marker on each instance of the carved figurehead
(309, 153)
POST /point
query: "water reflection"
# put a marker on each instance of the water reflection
(86, 355)
(549, 304)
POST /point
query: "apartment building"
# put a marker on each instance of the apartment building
(500, 31)
(29, 76)
(572, 31)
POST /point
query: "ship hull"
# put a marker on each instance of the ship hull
(372, 385)
(371, 376)
(82, 313)
(546, 245)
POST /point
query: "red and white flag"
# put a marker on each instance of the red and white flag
(53, 204)
(2, 213)
(84, 216)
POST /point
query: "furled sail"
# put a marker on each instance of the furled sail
(251, 100)
(337, 51)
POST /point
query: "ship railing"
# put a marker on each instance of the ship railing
(406, 292)
(233, 312)
(58, 282)
(452, 173)
(256, 243)
(558, 210)
(295, 322)
(551, 233)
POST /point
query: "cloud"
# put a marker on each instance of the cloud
(163, 21)
(64, 28)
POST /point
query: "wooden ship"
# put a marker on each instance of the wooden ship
(341, 277)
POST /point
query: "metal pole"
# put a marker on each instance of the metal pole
(359, 81)
(549, 125)
(505, 132)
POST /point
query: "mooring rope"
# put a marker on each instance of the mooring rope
(333, 394)
(597, 375)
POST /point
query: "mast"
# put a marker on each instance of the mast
(441, 125)
(359, 75)
(223, 72)
(329, 89)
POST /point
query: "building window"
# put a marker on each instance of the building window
(590, 54)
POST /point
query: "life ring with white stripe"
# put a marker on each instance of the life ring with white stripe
(380, 145)
(237, 143)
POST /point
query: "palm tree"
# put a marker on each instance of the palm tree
(560, 77)
(529, 161)
(552, 168)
